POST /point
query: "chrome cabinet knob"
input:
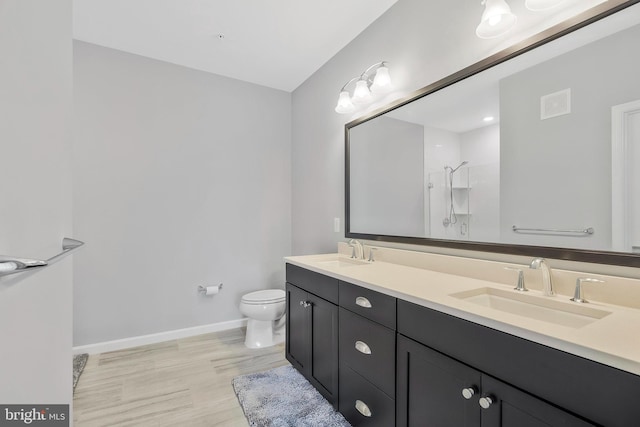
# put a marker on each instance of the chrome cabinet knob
(305, 304)
(469, 392)
(363, 408)
(485, 402)
(362, 347)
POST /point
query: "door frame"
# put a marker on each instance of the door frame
(620, 169)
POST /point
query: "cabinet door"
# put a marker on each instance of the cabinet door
(510, 407)
(324, 347)
(298, 347)
(430, 386)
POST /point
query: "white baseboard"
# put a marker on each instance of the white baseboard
(103, 347)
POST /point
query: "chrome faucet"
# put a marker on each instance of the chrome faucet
(547, 284)
(357, 251)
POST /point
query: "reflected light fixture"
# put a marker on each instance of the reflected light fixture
(496, 20)
(373, 81)
(538, 5)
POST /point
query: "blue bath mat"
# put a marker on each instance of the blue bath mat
(79, 362)
(282, 397)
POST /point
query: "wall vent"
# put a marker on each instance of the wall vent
(555, 104)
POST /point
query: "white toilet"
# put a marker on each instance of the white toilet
(266, 312)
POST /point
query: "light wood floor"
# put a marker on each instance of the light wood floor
(184, 382)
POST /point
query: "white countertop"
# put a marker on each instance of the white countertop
(612, 340)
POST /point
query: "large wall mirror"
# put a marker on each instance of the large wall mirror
(534, 151)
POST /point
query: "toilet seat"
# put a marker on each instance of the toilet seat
(266, 296)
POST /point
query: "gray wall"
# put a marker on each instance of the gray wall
(387, 178)
(569, 155)
(423, 42)
(35, 210)
(180, 178)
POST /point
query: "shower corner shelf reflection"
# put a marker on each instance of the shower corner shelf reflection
(11, 265)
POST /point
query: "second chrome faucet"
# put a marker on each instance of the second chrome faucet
(547, 283)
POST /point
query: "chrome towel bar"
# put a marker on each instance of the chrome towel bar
(585, 231)
(12, 265)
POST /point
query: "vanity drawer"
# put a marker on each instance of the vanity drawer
(358, 396)
(373, 305)
(318, 284)
(369, 349)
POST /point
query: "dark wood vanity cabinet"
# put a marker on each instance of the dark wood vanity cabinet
(436, 390)
(529, 384)
(312, 330)
(360, 378)
(385, 362)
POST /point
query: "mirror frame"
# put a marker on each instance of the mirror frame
(581, 255)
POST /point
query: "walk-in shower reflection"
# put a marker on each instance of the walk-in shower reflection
(452, 218)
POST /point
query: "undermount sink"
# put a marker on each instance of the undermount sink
(341, 262)
(545, 309)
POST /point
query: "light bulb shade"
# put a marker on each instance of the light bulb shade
(382, 80)
(361, 94)
(345, 106)
(538, 5)
(496, 20)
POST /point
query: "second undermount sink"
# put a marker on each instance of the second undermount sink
(534, 307)
(341, 262)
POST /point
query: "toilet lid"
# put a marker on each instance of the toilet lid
(264, 296)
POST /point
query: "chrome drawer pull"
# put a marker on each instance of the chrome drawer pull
(362, 347)
(363, 408)
(363, 302)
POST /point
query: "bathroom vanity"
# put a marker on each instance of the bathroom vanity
(415, 339)
(391, 344)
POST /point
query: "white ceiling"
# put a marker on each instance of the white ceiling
(275, 43)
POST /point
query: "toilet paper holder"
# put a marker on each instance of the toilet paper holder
(203, 289)
(12, 265)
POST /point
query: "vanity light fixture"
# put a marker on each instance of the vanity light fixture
(538, 5)
(496, 20)
(374, 80)
(361, 94)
